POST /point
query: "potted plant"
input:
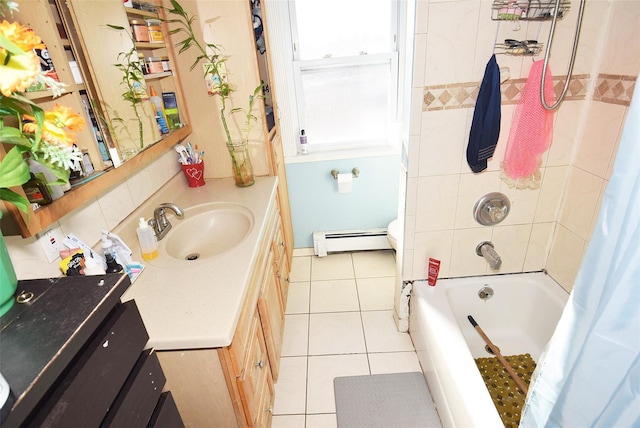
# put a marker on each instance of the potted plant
(45, 136)
(214, 66)
(135, 93)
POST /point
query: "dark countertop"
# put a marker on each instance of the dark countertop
(39, 339)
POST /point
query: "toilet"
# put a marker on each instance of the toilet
(393, 229)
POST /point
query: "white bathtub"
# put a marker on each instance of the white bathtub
(519, 318)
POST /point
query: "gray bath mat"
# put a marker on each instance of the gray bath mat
(386, 400)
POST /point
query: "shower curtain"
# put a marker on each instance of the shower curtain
(590, 373)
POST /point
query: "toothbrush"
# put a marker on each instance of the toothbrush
(184, 158)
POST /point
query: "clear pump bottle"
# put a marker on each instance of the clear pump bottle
(148, 243)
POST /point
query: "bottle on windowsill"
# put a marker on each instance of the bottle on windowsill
(304, 149)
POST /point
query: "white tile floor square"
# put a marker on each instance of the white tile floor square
(338, 322)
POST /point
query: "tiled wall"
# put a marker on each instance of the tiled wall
(102, 212)
(548, 227)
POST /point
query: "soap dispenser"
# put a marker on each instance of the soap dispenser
(147, 238)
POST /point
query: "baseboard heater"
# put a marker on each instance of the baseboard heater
(350, 240)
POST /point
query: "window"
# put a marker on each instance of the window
(345, 66)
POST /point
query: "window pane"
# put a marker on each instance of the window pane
(342, 28)
(346, 104)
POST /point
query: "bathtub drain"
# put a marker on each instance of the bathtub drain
(489, 350)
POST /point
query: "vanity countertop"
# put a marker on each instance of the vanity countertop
(196, 304)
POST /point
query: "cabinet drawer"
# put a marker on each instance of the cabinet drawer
(166, 413)
(254, 374)
(266, 404)
(84, 393)
(139, 395)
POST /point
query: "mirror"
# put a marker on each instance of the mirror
(81, 36)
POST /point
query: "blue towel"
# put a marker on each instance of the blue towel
(485, 127)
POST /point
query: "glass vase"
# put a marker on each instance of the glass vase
(8, 280)
(241, 163)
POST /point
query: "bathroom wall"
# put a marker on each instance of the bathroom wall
(546, 227)
(601, 129)
(316, 204)
(102, 212)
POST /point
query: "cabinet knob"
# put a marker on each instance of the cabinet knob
(259, 364)
(270, 409)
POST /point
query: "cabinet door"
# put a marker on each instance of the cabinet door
(281, 265)
(255, 373)
(272, 318)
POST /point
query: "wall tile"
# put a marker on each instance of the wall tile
(436, 202)
(567, 122)
(621, 54)
(86, 223)
(581, 199)
(538, 248)
(419, 60)
(472, 188)
(414, 156)
(411, 198)
(511, 244)
(495, 163)
(464, 260)
(596, 213)
(523, 204)
(451, 44)
(432, 244)
(551, 193)
(592, 34)
(141, 186)
(407, 266)
(442, 142)
(417, 101)
(116, 205)
(409, 231)
(601, 131)
(28, 259)
(422, 16)
(565, 257)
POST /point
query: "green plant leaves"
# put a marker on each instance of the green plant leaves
(14, 171)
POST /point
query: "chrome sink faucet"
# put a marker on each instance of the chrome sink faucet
(159, 221)
(485, 249)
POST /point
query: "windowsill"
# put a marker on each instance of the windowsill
(343, 154)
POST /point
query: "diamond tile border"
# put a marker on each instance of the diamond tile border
(610, 88)
(614, 89)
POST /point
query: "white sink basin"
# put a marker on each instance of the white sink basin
(206, 231)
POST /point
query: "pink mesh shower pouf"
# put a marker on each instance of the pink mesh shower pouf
(531, 132)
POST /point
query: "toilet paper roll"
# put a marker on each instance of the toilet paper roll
(345, 183)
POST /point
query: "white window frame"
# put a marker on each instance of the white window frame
(392, 114)
(281, 47)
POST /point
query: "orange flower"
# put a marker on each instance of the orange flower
(55, 122)
(18, 67)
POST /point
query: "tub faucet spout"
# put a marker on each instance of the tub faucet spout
(159, 222)
(485, 249)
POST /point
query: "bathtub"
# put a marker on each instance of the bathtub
(519, 318)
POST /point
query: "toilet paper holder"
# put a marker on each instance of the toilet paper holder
(355, 171)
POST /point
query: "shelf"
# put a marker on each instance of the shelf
(149, 45)
(518, 48)
(528, 10)
(154, 76)
(42, 95)
(144, 13)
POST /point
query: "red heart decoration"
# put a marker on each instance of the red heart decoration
(194, 173)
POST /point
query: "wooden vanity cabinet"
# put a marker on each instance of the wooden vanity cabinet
(234, 385)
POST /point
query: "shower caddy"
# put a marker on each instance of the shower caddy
(536, 10)
(525, 10)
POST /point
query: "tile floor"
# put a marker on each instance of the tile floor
(338, 322)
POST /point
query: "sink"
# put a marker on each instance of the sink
(207, 231)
